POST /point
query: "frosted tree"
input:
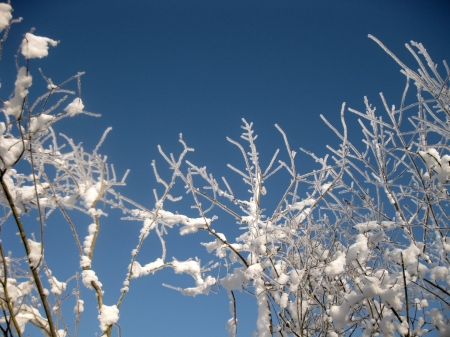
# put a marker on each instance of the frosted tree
(365, 249)
(42, 172)
(358, 246)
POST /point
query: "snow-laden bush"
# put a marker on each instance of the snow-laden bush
(358, 246)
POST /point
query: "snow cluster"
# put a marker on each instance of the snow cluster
(29, 314)
(137, 270)
(35, 255)
(85, 262)
(10, 148)
(89, 278)
(79, 307)
(57, 286)
(357, 250)
(337, 266)
(87, 244)
(61, 333)
(109, 315)
(5, 15)
(218, 246)
(40, 123)
(203, 283)
(89, 193)
(437, 164)
(75, 108)
(13, 107)
(36, 46)
(191, 225)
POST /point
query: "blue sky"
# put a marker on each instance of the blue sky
(155, 69)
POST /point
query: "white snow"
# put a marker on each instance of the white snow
(79, 307)
(284, 300)
(13, 107)
(190, 267)
(35, 253)
(85, 262)
(36, 46)
(302, 204)
(61, 333)
(29, 313)
(231, 327)
(367, 226)
(325, 187)
(283, 279)
(254, 271)
(57, 287)
(439, 273)
(235, 280)
(137, 270)
(109, 315)
(356, 248)
(89, 193)
(434, 162)
(88, 241)
(263, 321)
(203, 286)
(148, 225)
(75, 107)
(410, 255)
(438, 320)
(10, 150)
(5, 15)
(336, 266)
(40, 123)
(89, 276)
(217, 244)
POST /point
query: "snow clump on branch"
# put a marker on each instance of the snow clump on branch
(75, 108)
(13, 107)
(109, 315)
(5, 15)
(35, 255)
(36, 46)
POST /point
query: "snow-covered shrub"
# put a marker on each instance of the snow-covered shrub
(41, 172)
(365, 250)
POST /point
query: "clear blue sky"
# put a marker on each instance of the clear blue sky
(158, 68)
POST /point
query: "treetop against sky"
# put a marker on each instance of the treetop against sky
(158, 69)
